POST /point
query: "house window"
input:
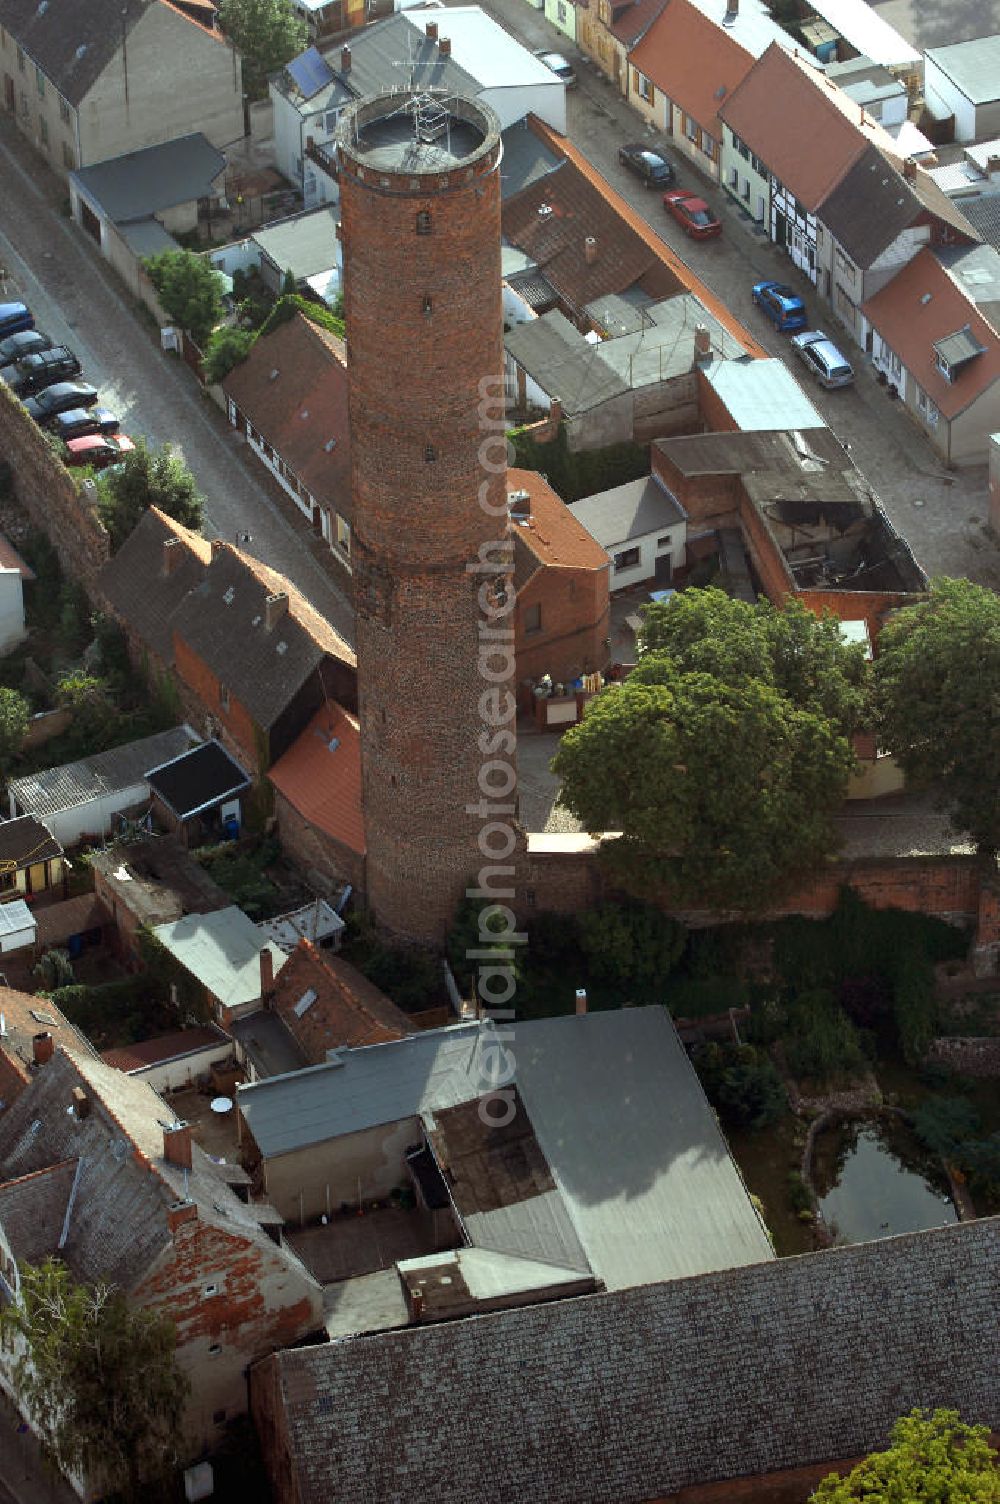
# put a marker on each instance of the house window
(690, 128)
(627, 559)
(927, 409)
(68, 156)
(223, 697)
(944, 368)
(560, 11)
(215, 1349)
(343, 534)
(424, 222)
(644, 88)
(532, 618)
(734, 178)
(64, 112)
(8, 880)
(210, 1290)
(43, 130)
(708, 144)
(39, 82)
(746, 189)
(663, 542)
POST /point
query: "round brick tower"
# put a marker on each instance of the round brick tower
(420, 223)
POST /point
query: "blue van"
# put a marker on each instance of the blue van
(14, 317)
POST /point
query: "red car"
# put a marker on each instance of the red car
(692, 214)
(98, 449)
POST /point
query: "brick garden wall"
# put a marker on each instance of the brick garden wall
(47, 492)
(326, 864)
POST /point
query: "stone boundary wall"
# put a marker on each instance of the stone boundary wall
(47, 492)
(968, 1056)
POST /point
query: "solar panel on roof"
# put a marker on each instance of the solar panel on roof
(310, 72)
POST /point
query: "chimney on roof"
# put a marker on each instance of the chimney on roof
(172, 555)
(180, 1212)
(732, 11)
(992, 166)
(432, 31)
(177, 1145)
(43, 1047)
(590, 250)
(417, 1304)
(581, 1001)
(275, 607)
(266, 972)
(444, 47)
(909, 168)
(218, 544)
(345, 59)
(702, 342)
(80, 1104)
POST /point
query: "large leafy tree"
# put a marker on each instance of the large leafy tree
(188, 287)
(724, 756)
(267, 33)
(934, 1459)
(14, 717)
(147, 478)
(100, 1381)
(937, 680)
(225, 349)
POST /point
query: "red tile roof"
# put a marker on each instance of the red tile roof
(137, 1057)
(552, 534)
(348, 1010)
(922, 304)
(302, 408)
(631, 21)
(665, 271)
(805, 130)
(322, 781)
(693, 61)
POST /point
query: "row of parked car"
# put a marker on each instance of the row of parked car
(42, 374)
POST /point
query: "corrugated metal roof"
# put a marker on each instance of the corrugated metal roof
(222, 950)
(56, 789)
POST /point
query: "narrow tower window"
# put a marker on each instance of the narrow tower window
(428, 305)
(430, 454)
(424, 222)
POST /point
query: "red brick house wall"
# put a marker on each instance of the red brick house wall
(315, 852)
(715, 416)
(701, 496)
(236, 728)
(576, 623)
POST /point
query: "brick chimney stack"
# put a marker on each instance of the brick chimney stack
(275, 607)
(345, 59)
(266, 972)
(590, 250)
(581, 1001)
(43, 1047)
(702, 342)
(909, 168)
(432, 31)
(179, 1213)
(444, 47)
(177, 1145)
(81, 1104)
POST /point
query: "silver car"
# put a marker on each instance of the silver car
(560, 66)
(824, 360)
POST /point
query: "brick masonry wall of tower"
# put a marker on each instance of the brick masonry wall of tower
(424, 332)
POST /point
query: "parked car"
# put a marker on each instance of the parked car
(35, 372)
(60, 398)
(14, 317)
(78, 422)
(98, 449)
(648, 163)
(692, 214)
(783, 307)
(17, 346)
(823, 359)
(560, 66)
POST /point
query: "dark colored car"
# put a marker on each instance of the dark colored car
(649, 163)
(76, 422)
(17, 346)
(98, 449)
(14, 317)
(60, 398)
(782, 305)
(692, 214)
(35, 372)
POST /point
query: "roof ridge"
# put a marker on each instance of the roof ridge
(58, 1164)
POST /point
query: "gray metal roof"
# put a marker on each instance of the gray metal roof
(663, 347)
(554, 353)
(222, 950)
(267, 1042)
(139, 183)
(305, 245)
(525, 159)
(56, 789)
(973, 67)
(630, 511)
(147, 237)
(388, 55)
(762, 394)
(976, 269)
(638, 1394)
(646, 1186)
(957, 348)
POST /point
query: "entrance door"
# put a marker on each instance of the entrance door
(664, 569)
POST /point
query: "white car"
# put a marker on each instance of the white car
(560, 66)
(830, 368)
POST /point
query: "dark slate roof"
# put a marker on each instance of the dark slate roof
(27, 840)
(197, 780)
(869, 207)
(33, 1209)
(71, 49)
(138, 589)
(141, 183)
(630, 511)
(636, 1394)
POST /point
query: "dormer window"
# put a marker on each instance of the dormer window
(954, 352)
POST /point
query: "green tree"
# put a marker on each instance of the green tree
(225, 349)
(743, 1082)
(267, 33)
(96, 718)
(631, 945)
(188, 288)
(723, 792)
(14, 719)
(147, 478)
(934, 1459)
(99, 1380)
(937, 681)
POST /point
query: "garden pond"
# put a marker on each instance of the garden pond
(873, 1180)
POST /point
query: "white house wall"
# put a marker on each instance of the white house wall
(945, 98)
(289, 137)
(174, 1075)
(95, 816)
(546, 100)
(649, 550)
(742, 180)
